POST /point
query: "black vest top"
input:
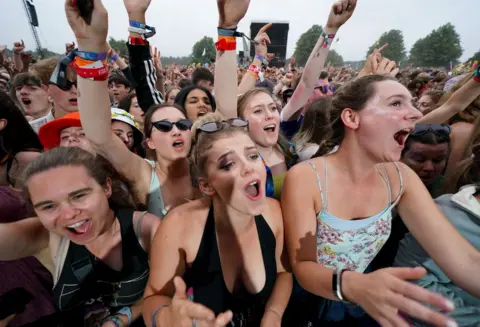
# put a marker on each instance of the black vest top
(89, 289)
(206, 278)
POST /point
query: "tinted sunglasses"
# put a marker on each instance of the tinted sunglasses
(166, 126)
(422, 129)
(215, 126)
(67, 87)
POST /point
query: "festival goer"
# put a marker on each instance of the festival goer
(166, 181)
(31, 94)
(203, 77)
(124, 126)
(336, 241)
(196, 100)
(130, 105)
(19, 144)
(119, 87)
(228, 246)
(429, 100)
(171, 94)
(98, 242)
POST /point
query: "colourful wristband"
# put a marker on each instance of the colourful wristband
(254, 70)
(226, 43)
(114, 57)
(137, 41)
(259, 57)
(226, 32)
(93, 56)
(154, 316)
(476, 76)
(326, 39)
(116, 321)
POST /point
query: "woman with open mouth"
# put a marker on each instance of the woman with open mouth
(227, 246)
(345, 205)
(99, 243)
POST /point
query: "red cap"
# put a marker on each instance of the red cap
(49, 133)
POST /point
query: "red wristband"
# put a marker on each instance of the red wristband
(476, 79)
(96, 74)
(254, 70)
(226, 43)
(137, 41)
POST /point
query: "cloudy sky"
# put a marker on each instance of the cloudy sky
(180, 23)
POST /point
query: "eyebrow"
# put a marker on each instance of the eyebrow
(39, 204)
(399, 96)
(225, 155)
(248, 148)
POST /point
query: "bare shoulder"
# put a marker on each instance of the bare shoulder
(26, 157)
(186, 218)
(399, 176)
(273, 215)
(304, 173)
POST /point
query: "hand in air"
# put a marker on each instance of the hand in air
(262, 40)
(3, 48)
(385, 293)
(341, 11)
(93, 36)
(69, 47)
(18, 47)
(157, 62)
(183, 312)
(136, 6)
(231, 12)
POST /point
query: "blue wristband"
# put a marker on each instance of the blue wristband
(126, 311)
(259, 57)
(114, 57)
(477, 72)
(225, 32)
(137, 24)
(93, 56)
(154, 316)
(116, 321)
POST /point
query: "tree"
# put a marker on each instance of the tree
(45, 52)
(476, 56)
(118, 46)
(335, 58)
(204, 50)
(438, 49)
(396, 47)
(306, 43)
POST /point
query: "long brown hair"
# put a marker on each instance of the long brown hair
(97, 167)
(354, 95)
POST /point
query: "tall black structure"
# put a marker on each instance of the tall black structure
(278, 34)
(33, 21)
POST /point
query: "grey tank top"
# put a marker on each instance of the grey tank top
(156, 205)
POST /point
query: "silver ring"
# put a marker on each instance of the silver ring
(194, 323)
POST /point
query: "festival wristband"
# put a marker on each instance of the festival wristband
(254, 70)
(116, 321)
(137, 41)
(114, 57)
(84, 63)
(137, 30)
(154, 316)
(476, 76)
(326, 38)
(142, 29)
(259, 57)
(226, 43)
(93, 56)
(97, 71)
(137, 24)
(126, 311)
(226, 32)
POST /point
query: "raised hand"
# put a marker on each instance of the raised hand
(157, 62)
(183, 312)
(18, 47)
(69, 47)
(3, 48)
(386, 67)
(93, 36)
(136, 6)
(341, 11)
(372, 61)
(270, 56)
(231, 12)
(262, 40)
(386, 292)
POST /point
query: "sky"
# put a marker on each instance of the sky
(180, 23)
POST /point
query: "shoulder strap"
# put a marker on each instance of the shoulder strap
(60, 258)
(323, 195)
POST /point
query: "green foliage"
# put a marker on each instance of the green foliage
(120, 46)
(306, 43)
(396, 47)
(335, 59)
(476, 56)
(167, 61)
(438, 48)
(204, 50)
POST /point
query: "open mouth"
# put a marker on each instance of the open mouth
(178, 144)
(401, 136)
(201, 113)
(80, 228)
(253, 190)
(73, 101)
(270, 128)
(26, 101)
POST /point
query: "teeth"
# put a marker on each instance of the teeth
(253, 184)
(77, 224)
(269, 126)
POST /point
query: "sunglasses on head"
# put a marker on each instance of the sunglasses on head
(325, 88)
(67, 87)
(422, 129)
(215, 126)
(166, 126)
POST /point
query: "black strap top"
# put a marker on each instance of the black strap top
(89, 288)
(206, 277)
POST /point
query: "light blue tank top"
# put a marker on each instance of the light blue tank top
(156, 205)
(352, 244)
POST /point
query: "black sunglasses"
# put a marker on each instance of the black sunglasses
(166, 126)
(325, 88)
(215, 126)
(67, 87)
(422, 129)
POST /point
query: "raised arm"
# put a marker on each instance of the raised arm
(447, 247)
(22, 239)
(341, 11)
(456, 103)
(230, 13)
(261, 41)
(382, 294)
(94, 102)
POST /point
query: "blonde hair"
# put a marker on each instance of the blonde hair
(45, 68)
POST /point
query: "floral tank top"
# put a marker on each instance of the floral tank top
(352, 244)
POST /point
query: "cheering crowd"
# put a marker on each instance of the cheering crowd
(215, 195)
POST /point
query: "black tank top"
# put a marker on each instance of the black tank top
(206, 278)
(88, 288)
